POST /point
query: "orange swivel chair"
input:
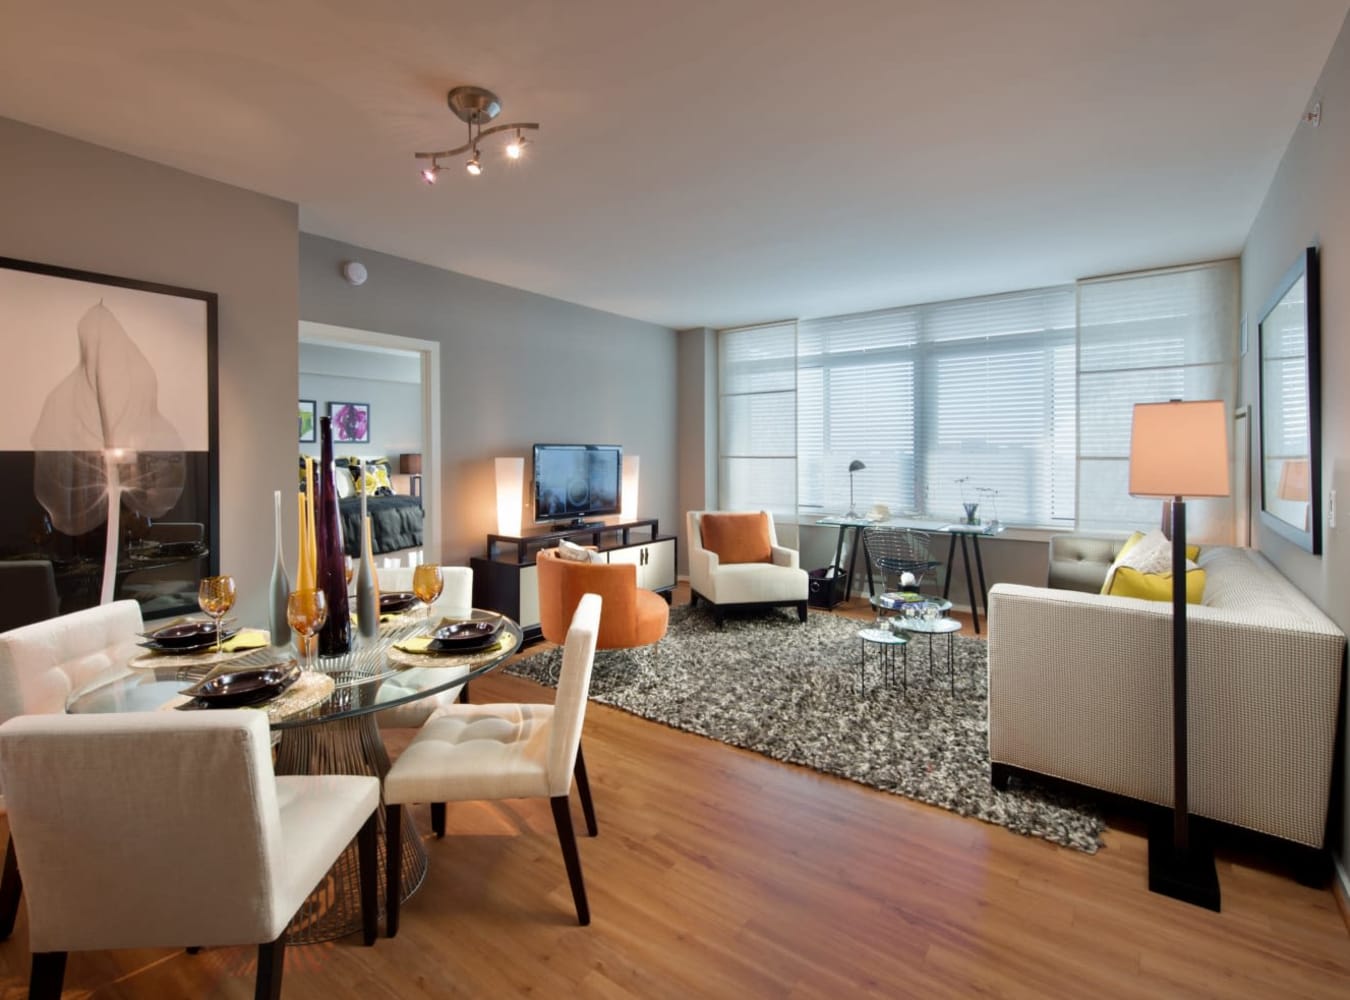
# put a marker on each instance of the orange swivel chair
(629, 615)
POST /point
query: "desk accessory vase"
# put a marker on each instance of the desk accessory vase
(367, 583)
(335, 638)
(279, 588)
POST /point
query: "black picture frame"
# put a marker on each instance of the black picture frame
(351, 422)
(161, 454)
(309, 421)
(1289, 369)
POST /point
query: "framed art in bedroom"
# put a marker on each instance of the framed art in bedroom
(109, 439)
(309, 421)
(351, 422)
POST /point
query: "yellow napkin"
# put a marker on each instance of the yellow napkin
(414, 644)
(246, 638)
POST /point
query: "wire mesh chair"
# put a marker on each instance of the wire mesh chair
(891, 552)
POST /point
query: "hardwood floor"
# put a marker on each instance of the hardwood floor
(719, 873)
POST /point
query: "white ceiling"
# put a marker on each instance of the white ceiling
(712, 162)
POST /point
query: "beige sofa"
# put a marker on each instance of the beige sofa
(1080, 689)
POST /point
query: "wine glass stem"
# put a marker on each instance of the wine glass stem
(218, 620)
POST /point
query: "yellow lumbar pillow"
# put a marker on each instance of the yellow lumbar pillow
(1192, 551)
(1129, 582)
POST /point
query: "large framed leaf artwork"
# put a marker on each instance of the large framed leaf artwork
(109, 437)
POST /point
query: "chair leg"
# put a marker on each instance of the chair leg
(719, 615)
(801, 611)
(271, 963)
(11, 888)
(47, 974)
(367, 847)
(562, 819)
(438, 818)
(393, 868)
(693, 599)
(584, 791)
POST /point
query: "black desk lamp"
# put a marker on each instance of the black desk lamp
(1180, 449)
(853, 466)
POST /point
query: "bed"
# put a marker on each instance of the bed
(395, 523)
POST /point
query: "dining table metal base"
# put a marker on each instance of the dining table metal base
(346, 746)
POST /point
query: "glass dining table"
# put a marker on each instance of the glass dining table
(335, 733)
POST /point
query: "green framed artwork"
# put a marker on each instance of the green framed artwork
(309, 423)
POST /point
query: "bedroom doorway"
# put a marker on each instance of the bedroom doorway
(385, 362)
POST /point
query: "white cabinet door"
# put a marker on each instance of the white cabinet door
(659, 570)
(529, 597)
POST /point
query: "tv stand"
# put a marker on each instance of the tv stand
(577, 525)
(507, 579)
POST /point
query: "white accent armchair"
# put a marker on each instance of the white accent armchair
(225, 859)
(748, 573)
(476, 752)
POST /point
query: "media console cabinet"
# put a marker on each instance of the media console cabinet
(507, 579)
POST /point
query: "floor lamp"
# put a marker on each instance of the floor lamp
(1178, 450)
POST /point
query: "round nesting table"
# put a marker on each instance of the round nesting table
(931, 627)
(885, 642)
(339, 735)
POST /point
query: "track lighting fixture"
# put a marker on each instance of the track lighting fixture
(474, 106)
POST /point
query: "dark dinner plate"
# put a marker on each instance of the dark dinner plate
(459, 637)
(397, 601)
(204, 640)
(244, 687)
(187, 633)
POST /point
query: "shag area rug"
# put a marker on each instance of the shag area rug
(791, 691)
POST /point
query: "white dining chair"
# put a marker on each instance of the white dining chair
(169, 829)
(40, 665)
(504, 751)
(456, 601)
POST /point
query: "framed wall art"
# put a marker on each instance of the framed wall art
(309, 421)
(109, 438)
(351, 422)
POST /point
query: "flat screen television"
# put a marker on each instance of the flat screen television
(575, 481)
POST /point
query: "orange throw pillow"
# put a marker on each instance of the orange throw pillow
(737, 538)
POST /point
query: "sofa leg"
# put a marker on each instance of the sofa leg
(693, 598)
(999, 776)
(719, 615)
(801, 611)
(1312, 867)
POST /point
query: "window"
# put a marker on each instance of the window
(757, 446)
(945, 403)
(1146, 338)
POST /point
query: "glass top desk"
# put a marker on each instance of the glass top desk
(339, 735)
(955, 532)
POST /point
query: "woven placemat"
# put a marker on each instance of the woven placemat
(479, 656)
(207, 659)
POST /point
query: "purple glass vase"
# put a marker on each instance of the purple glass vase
(335, 638)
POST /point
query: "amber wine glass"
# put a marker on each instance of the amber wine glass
(306, 612)
(427, 585)
(215, 596)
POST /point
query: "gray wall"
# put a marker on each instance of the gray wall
(1309, 202)
(697, 409)
(69, 203)
(516, 368)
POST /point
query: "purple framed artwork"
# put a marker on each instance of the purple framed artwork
(351, 422)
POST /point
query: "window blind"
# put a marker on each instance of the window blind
(945, 403)
(757, 421)
(1144, 338)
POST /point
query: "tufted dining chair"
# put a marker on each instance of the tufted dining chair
(456, 601)
(507, 751)
(169, 829)
(40, 665)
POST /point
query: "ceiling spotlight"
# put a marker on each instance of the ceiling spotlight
(474, 106)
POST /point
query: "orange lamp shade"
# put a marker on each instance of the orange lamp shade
(1179, 449)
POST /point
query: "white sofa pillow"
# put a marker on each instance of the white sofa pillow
(578, 553)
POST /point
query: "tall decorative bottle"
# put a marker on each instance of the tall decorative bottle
(367, 582)
(335, 638)
(279, 589)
